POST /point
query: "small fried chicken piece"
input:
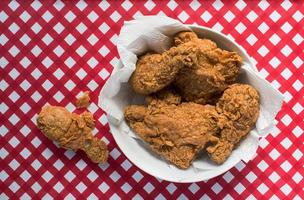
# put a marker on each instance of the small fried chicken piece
(72, 131)
(83, 101)
(209, 70)
(239, 110)
(176, 132)
(155, 71)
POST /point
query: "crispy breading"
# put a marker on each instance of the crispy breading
(72, 131)
(198, 68)
(239, 110)
(155, 71)
(176, 132)
(208, 69)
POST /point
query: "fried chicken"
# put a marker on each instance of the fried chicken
(208, 70)
(155, 71)
(177, 125)
(239, 110)
(174, 131)
(83, 101)
(72, 131)
(179, 131)
(199, 69)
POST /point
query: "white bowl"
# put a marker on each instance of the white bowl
(154, 165)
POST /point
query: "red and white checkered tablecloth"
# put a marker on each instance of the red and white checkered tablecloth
(52, 51)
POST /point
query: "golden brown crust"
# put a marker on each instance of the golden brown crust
(183, 37)
(155, 71)
(201, 73)
(72, 131)
(96, 150)
(239, 110)
(166, 95)
(176, 132)
(219, 152)
(240, 102)
(209, 70)
(199, 69)
(83, 101)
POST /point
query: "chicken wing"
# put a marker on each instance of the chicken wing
(239, 110)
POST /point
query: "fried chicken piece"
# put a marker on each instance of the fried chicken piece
(239, 110)
(83, 101)
(209, 70)
(155, 71)
(174, 131)
(240, 104)
(199, 69)
(72, 131)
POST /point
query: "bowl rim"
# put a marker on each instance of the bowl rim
(137, 163)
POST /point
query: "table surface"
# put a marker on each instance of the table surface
(52, 51)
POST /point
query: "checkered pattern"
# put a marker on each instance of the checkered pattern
(51, 52)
